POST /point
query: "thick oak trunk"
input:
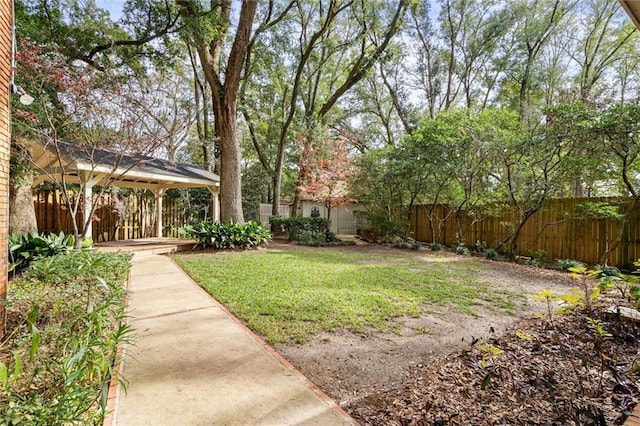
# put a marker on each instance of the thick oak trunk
(230, 172)
(22, 215)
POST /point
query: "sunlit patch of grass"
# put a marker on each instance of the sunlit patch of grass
(289, 293)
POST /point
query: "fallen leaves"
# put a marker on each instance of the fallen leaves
(540, 372)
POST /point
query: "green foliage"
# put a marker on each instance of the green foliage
(64, 341)
(307, 237)
(589, 293)
(599, 210)
(24, 249)
(492, 254)
(436, 246)
(566, 264)
(316, 239)
(610, 271)
(377, 226)
(462, 250)
(547, 296)
(538, 258)
(255, 183)
(77, 28)
(407, 243)
(227, 235)
(293, 226)
(195, 202)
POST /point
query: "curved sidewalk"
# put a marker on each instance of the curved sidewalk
(193, 363)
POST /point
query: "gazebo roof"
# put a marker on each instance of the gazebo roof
(632, 7)
(103, 166)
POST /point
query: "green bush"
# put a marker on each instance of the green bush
(462, 250)
(565, 264)
(24, 249)
(407, 243)
(293, 226)
(606, 270)
(63, 339)
(376, 226)
(311, 238)
(492, 254)
(227, 235)
(436, 246)
(538, 258)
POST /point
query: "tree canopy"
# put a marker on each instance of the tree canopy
(477, 105)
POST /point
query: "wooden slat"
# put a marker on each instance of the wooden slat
(583, 239)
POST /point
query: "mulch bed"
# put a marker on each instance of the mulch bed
(551, 371)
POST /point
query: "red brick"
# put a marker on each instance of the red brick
(6, 19)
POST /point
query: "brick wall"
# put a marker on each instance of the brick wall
(6, 23)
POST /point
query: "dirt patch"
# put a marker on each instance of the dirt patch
(540, 372)
(440, 368)
(349, 367)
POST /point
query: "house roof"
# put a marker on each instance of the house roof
(102, 166)
(632, 7)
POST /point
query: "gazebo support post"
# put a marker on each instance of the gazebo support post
(159, 193)
(215, 203)
(87, 184)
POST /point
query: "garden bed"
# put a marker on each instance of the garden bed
(64, 322)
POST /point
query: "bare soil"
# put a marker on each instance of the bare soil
(437, 369)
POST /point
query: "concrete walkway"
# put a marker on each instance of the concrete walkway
(195, 364)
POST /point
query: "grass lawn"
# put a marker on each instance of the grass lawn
(287, 293)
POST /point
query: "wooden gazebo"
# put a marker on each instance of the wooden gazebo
(89, 166)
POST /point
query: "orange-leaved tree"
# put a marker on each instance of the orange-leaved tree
(325, 170)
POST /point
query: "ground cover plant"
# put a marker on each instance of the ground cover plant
(64, 323)
(296, 227)
(289, 293)
(24, 249)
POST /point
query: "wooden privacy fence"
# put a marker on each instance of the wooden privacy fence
(550, 229)
(117, 217)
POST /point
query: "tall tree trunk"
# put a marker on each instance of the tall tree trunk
(524, 88)
(225, 84)
(277, 185)
(22, 215)
(230, 161)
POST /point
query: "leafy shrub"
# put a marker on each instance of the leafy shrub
(407, 243)
(492, 254)
(436, 246)
(462, 250)
(481, 246)
(227, 235)
(538, 258)
(63, 339)
(376, 226)
(293, 226)
(566, 264)
(24, 249)
(606, 270)
(311, 238)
